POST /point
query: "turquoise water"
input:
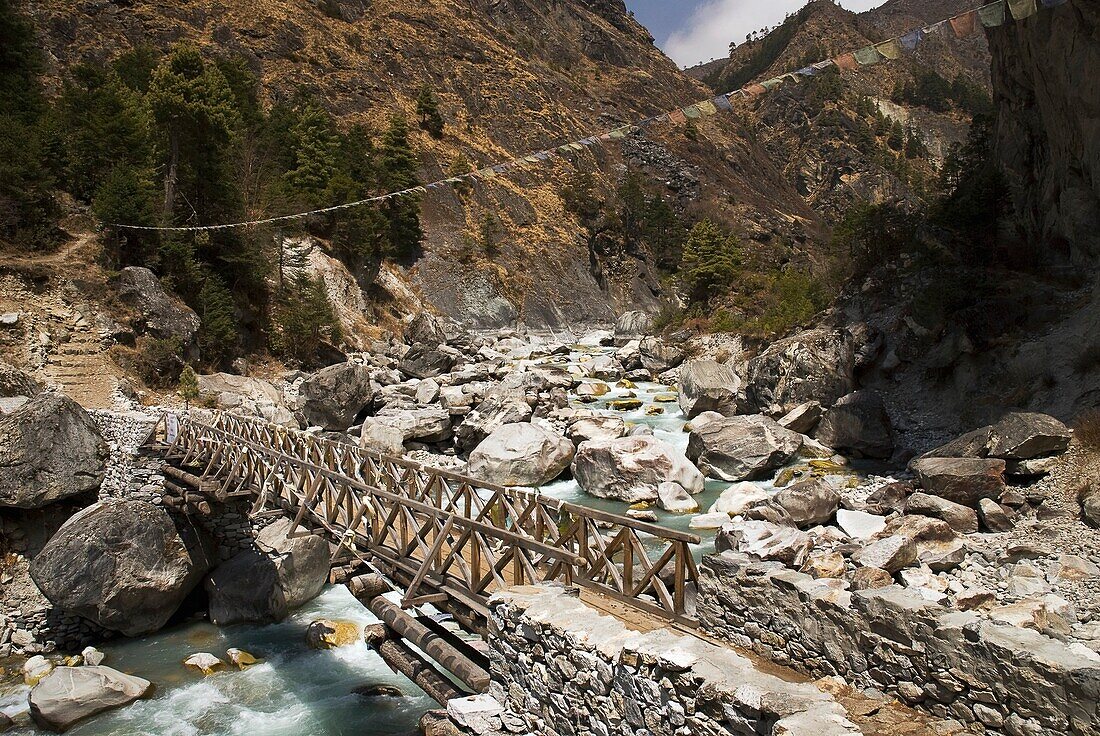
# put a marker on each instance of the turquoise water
(296, 691)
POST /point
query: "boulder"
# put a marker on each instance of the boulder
(891, 554)
(136, 566)
(382, 439)
(159, 314)
(672, 497)
(962, 480)
(521, 455)
(327, 634)
(1027, 435)
(68, 695)
(871, 578)
(263, 584)
(810, 502)
(742, 448)
(14, 382)
(425, 424)
(596, 428)
(803, 418)
(937, 544)
(50, 449)
(962, 519)
(490, 415)
(859, 425)
(1089, 498)
(335, 397)
(859, 524)
(739, 498)
(630, 468)
(632, 326)
(425, 362)
(767, 541)
(995, 517)
(825, 565)
(425, 329)
(706, 385)
(971, 444)
(659, 356)
(816, 365)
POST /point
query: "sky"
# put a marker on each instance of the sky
(693, 31)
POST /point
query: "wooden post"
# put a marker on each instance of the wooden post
(405, 661)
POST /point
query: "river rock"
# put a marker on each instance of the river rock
(596, 428)
(858, 424)
(815, 365)
(240, 658)
(803, 418)
(962, 519)
(36, 668)
(630, 468)
(136, 565)
(521, 455)
(672, 497)
(334, 397)
(425, 329)
(742, 448)
(68, 695)
(891, 554)
(658, 356)
(159, 314)
(809, 502)
(263, 584)
(1027, 435)
(425, 362)
(859, 524)
(767, 541)
(50, 449)
(706, 385)
(490, 415)
(962, 480)
(92, 656)
(204, 662)
(738, 498)
(326, 634)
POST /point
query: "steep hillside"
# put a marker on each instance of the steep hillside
(1048, 132)
(511, 76)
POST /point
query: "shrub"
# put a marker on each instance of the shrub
(158, 362)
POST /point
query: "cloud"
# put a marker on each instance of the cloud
(707, 32)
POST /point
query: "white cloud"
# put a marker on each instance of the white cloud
(707, 32)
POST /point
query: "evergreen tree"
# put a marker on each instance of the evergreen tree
(489, 234)
(304, 322)
(397, 172)
(896, 138)
(710, 263)
(194, 106)
(218, 332)
(427, 109)
(315, 146)
(188, 385)
(128, 196)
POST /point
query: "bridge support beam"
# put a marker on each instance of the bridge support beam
(401, 658)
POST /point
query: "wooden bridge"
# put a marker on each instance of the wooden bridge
(450, 540)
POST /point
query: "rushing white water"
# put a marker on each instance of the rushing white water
(296, 691)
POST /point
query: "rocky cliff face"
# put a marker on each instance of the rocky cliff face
(1048, 132)
(511, 76)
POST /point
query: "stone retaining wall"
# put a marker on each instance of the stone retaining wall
(954, 664)
(560, 667)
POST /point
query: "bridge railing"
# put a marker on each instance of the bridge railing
(446, 535)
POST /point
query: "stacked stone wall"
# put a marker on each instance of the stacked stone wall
(1000, 678)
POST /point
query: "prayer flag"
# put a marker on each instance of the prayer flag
(890, 49)
(693, 112)
(678, 117)
(543, 155)
(771, 84)
(487, 173)
(791, 76)
(807, 71)
(846, 61)
(992, 15)
(911, 40)
(1022, 8)
(722, 102)
(823, 65)
(868, 56)
(964, 24)
(754, 90)
(618, 134)
(707, 108)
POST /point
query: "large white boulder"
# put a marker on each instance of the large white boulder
(742, 448)
(521, 455)
(68, 695)
(630, 468)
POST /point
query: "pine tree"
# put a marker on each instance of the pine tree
(188, 385)
(711, 261)
(304, 321)
(218, 331)
(314, 149)
(194, 106)
(427, 109)
(397, 172)
(489, 234)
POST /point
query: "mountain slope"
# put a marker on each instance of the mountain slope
(511, 76)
